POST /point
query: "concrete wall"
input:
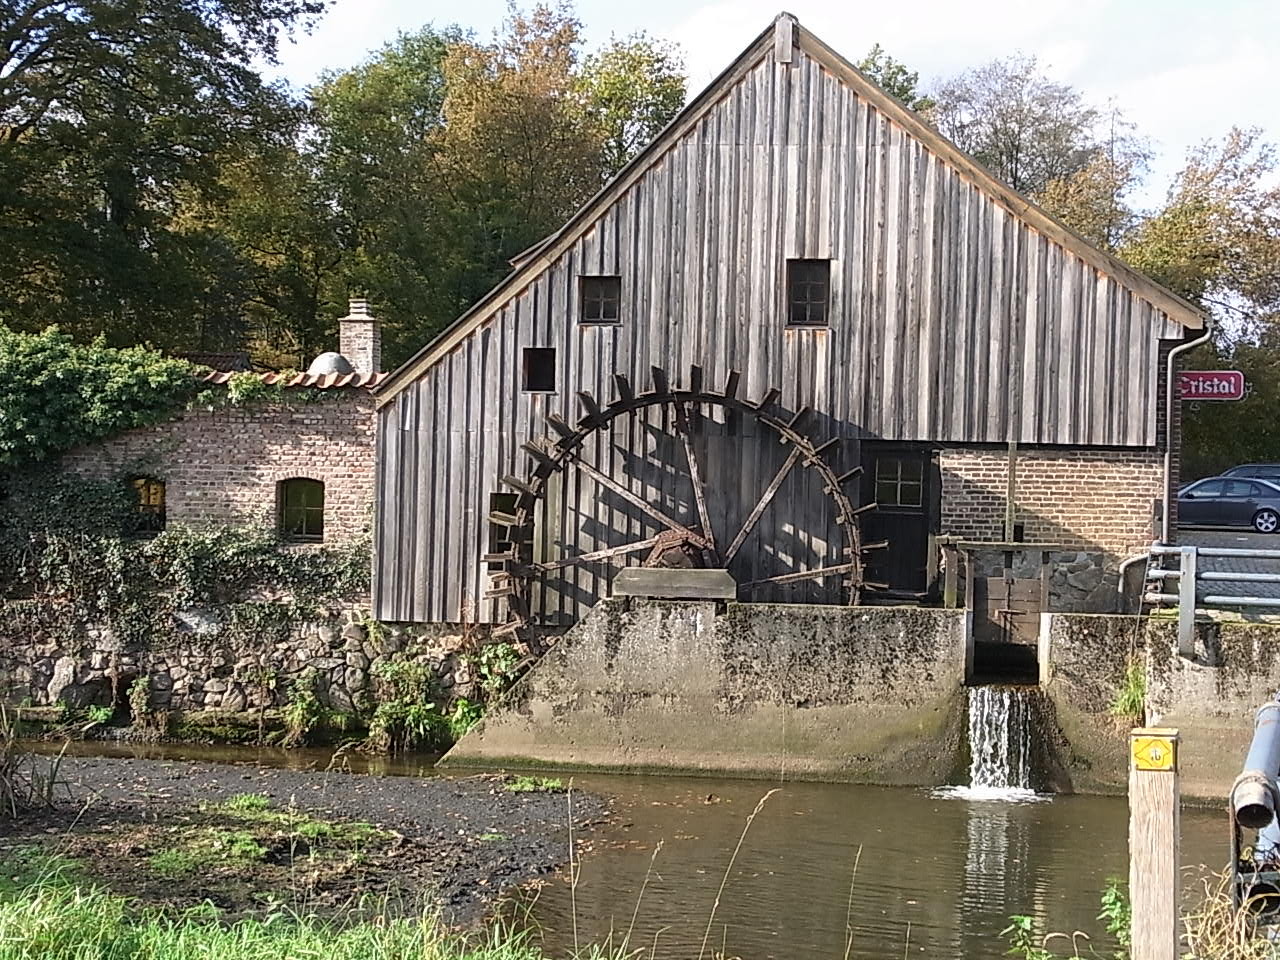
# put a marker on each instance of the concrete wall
(818, 692)
(1211, 697)
(1083, 659)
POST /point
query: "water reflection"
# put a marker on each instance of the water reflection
(952, 871)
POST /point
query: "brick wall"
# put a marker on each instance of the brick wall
(1093, 499)
(224, 465)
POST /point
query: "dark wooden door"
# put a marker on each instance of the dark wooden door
(903, 483)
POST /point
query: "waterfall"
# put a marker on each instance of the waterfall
(1000, 750)
(999, 738)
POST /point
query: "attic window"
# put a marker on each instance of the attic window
(808, 292)
(599, 297)
(539, 370)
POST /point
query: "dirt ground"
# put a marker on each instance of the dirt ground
(180, 834)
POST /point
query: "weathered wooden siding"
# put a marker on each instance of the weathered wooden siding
(952, 321)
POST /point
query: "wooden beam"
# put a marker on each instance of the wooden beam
(754, 517)
(849, 475)
(660, 384)
(816, 574)
(826, 445)
(770, 395)
(539, 454)
(635, 501)
(731, 384)
(518, 483)
(801, 415)
(623, 386)
(695, 378)
(561, 426)
(598, 555)
(591, 409)
(695, 475)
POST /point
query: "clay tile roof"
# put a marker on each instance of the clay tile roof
(323, 381)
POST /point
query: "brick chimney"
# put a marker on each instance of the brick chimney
(360, 337)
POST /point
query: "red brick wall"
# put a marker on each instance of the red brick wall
(1091, 499)
(224, 465)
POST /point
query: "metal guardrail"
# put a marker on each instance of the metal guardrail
(1188, 574)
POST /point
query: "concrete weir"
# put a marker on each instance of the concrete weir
(868, 694)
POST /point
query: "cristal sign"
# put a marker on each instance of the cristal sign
(1211, 385)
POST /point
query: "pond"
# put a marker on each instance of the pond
(824, 870)
(883, 872)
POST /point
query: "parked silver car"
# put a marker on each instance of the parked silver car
(1230, 502)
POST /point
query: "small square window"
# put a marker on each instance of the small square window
(150, 494)
(899, 482)
(539, 373)
(808, 292)
(600, 297)
(301, 509)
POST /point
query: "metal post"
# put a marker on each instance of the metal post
(1187, 602)
(1153, 843)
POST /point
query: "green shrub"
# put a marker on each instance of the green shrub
(304, 712)
(56, 394)
(464, 715)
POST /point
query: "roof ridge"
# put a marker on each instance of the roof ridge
(538, 256)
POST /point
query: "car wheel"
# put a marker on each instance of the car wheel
(1266, 521)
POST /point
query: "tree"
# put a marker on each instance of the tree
(634, 87)
(895, 79)
(108, 111)
(1094, 200)
(1024, 127)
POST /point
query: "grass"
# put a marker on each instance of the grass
(1131, 698)
(52, 922)
(247, 803)
(524, 784)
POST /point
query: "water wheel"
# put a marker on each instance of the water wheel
(690, 541)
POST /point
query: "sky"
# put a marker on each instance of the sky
(1182, 70)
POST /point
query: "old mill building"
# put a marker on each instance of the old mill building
(801, 337)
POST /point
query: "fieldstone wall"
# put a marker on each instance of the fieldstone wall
(211, 668)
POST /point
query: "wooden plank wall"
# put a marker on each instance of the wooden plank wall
(952, 321)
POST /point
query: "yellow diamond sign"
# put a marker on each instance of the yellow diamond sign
(1154, 750)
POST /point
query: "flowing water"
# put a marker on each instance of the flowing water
(826, 870)
(1000, 749)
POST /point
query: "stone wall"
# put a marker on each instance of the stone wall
(869, 694)
(210, 667)
(224, 465)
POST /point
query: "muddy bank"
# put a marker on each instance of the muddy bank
(332, 838)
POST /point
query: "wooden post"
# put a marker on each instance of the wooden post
(1153, 843)
(950, 577)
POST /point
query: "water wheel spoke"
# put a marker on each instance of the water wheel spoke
(758, 510)
(631, 498)
(816, 574)
(695, 475)
(595, 555)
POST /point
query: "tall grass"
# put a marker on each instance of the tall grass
(58, 922)
(27, 781)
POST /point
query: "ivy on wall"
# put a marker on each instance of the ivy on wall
(70, 540)
(56, 394)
